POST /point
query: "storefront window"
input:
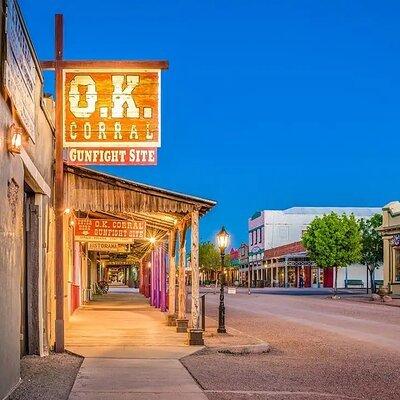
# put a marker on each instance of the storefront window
(397, 264)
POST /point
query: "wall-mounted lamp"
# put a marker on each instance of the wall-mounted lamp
(152, 240)
(67, 211)
(14, 140)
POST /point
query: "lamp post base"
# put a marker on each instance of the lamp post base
(182, 325)
(221, 330)
(171, 320)
(195, 337)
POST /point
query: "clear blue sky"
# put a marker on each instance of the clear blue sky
(266, 105)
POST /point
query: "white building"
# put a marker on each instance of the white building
(269, 229)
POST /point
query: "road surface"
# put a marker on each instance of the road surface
(321, 348)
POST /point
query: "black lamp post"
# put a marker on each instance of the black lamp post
(222, 241)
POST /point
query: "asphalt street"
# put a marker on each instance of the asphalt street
(321, 348)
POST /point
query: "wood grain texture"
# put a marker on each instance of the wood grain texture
(194, 259)
(181, 275)
(111, 64)
(101, 125)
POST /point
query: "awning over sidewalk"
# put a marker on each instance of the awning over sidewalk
(100, 195)
(89, 190)
(168, 216)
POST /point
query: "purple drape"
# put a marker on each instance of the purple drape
(158, 296)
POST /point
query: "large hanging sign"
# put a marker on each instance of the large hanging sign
(109, 247)
(112, 117)
(109, 230)
(20, 69)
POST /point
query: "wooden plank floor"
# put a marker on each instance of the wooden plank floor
(117, 324)
(129, 352)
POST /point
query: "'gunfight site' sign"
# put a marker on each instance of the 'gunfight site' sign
(109, 230)
(112, 117)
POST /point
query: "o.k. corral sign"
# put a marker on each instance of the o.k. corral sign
(109, 230)
(111, 117)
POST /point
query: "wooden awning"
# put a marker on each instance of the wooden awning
(99, 195)
(89, 190)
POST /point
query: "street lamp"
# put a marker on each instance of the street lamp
(222, 241)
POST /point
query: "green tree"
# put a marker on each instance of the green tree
(210, 259)
(372, 245)
(333, 241)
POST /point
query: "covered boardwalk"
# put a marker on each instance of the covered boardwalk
(129, 351)
(158, 258)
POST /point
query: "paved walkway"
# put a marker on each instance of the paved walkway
(129, 352)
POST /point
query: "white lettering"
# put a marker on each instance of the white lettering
(87, 130)
(72, 133)
(117, 131)
(90, 96)
(102, 130)
(121, 97)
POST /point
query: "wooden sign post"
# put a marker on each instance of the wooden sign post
(133, 126)
(59, 187)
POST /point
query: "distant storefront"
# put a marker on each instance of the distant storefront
(290, 266)
(391, 246)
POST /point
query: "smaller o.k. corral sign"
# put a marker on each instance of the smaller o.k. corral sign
(112, 117)
(109, 230)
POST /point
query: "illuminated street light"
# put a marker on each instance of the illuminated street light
(222, 242)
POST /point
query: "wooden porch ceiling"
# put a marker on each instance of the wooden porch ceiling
(98, 195)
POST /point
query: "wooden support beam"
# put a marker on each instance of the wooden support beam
(59, 188)
(195, 333)
(181, 321)
(194, 261)
(106, 64)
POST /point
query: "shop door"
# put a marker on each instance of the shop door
(328, 277)
(30, 277)
(314, 278)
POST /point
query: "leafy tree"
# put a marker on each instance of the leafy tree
(333, 241)
(210, 259)
(372, 245)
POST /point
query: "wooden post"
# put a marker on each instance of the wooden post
(59, 187)
(195, 333)
(182, 322)
(171, 316)
(286, 272)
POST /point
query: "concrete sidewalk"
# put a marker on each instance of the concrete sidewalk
(129, 352)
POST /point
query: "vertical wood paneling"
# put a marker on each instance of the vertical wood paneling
(194, 254)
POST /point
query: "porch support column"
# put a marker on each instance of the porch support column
(286, 272)
(195, 333)
(272, 274)
(171, 316)
(182, 322)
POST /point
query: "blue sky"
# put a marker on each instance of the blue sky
(266, 105)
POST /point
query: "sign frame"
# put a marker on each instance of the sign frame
(113, 144)
(93, 231)
(112, 247)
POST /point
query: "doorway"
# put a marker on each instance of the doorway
(29, 328)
